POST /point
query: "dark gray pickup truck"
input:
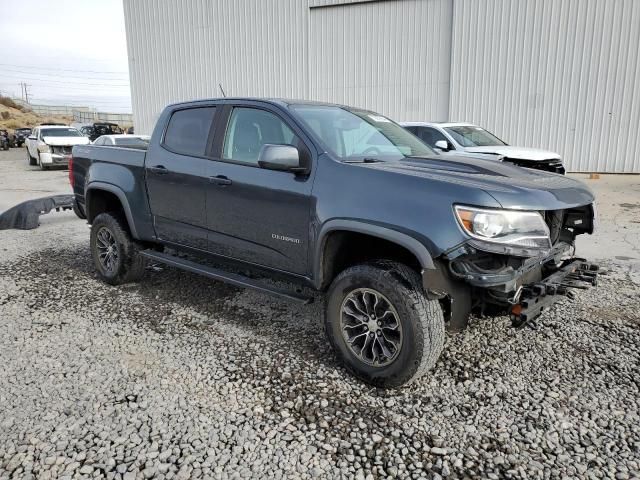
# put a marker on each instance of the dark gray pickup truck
(404, 241)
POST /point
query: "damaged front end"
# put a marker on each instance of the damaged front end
(523, 278)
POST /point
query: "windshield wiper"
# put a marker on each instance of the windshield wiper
(365, 160)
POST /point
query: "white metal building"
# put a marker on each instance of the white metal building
(563, 75)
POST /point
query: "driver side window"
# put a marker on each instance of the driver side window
(251, 128)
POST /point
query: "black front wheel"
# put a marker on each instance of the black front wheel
(382, 325)
(115, 253)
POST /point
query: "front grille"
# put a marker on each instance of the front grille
(65, 150)
(551, 165)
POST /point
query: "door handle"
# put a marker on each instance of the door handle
(220, 180)
(159, 169)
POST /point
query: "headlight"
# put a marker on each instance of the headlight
(505, 227)
(44, 148)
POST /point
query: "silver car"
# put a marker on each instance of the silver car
(467, 139)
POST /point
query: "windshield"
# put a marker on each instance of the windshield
(358, 134)
(61, 132)
(23, 130)
(132, 141)
(472, 136)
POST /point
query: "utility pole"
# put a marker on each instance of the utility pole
(26, 92)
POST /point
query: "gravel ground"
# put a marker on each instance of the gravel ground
(181, 377)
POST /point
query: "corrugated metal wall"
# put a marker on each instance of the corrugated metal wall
(392, 57)
(181, 50)
(557, 74)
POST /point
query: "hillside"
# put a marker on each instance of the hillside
(14, 116)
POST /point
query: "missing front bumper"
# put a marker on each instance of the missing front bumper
(532, 299)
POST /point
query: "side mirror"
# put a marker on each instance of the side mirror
(31, 137)
(284, 158)
(442, 145)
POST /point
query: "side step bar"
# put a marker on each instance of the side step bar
(216, 274)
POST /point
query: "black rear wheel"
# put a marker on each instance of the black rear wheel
(382, 325)
(115, 253)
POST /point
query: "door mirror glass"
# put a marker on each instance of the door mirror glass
(442, 145)
(280, 157)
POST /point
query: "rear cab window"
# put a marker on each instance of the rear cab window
(188, 131)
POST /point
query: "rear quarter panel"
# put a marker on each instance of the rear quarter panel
(120, 171)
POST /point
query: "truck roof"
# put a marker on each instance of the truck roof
(271, 100)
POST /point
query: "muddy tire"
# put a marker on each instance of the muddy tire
(381, 324)
(115, 254)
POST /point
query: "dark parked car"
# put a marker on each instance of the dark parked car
(20, 135)
(100, 128)
(403, 241)
(4, 140)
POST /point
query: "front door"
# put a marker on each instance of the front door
(176, 173)
(257, 215)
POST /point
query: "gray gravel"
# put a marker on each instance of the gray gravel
(182, 377)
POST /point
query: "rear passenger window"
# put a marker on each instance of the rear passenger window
(188, 130)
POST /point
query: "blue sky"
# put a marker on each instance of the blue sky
(68, 52)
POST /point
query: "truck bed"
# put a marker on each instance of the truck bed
(121, 169)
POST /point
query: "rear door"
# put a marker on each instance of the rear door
(176, 176)
(253, 214)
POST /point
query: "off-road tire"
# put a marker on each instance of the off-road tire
(32, 161)
(421, 319)
(130, 264)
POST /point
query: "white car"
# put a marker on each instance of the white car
(50, 145)
(123, 140)
(466, 139)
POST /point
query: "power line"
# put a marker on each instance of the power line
(61, 69)
(81, 100)
(63, 75)
(72, 82)
(31, 77)
(61, 89)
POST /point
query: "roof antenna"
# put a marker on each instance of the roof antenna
(223, 94)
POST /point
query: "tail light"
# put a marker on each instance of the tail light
(71, 179)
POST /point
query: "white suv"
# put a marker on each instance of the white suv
(50, 145)
(466, 139)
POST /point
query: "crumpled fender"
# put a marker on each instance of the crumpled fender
(26, 215)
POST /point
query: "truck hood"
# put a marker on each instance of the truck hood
(66, 141)
(511, 186)
(521, 153)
